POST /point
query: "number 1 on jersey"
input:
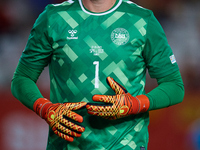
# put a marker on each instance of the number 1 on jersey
(96, 63)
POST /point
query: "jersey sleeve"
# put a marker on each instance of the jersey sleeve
(23, 85)
(169, 92)
(158, 54)
(38, 49)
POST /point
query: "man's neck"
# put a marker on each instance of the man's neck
(98, 5)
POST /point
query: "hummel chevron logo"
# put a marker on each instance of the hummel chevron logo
(72, 34)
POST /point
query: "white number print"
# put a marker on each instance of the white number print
(96, 63)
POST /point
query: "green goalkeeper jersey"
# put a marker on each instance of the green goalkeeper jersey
(82, 48)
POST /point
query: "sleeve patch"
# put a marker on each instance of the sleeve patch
(173, 59)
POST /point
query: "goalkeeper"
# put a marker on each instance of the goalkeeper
(97, 53)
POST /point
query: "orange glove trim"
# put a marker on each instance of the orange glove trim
(39, 105)
(143, 103)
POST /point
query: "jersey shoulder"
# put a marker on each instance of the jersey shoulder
(135, 9)
(64, 6)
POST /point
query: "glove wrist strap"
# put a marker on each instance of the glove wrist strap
(143, 103)
(40, 106)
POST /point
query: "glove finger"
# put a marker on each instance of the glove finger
(64, 125)
(64, 136)
(102, 98)
(109, 116)
(68, 135)
(100, 114)
(75, 106)
(70, 132)
(72, 126)
(102, 111)
(105, 115)
(115, 86)
(72, 115)
(98, 108)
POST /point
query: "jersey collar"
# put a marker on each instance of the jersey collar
(118, 3)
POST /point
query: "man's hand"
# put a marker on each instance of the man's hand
(58, 117)
(117, 106)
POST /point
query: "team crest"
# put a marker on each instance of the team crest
(120, 36)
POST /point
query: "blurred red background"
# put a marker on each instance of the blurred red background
(176, 127)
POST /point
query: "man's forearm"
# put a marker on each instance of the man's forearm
(24, 87)
(170, 91)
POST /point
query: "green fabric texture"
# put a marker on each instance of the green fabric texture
(24, 86)
(82, 49)
(169, 92)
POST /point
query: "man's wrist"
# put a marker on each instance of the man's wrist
(143, 103)
(40, 106)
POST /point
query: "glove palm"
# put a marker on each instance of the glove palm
(117, 106)
(59, 117)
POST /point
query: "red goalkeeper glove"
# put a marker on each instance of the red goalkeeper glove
(120, 105)
(58, 115)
